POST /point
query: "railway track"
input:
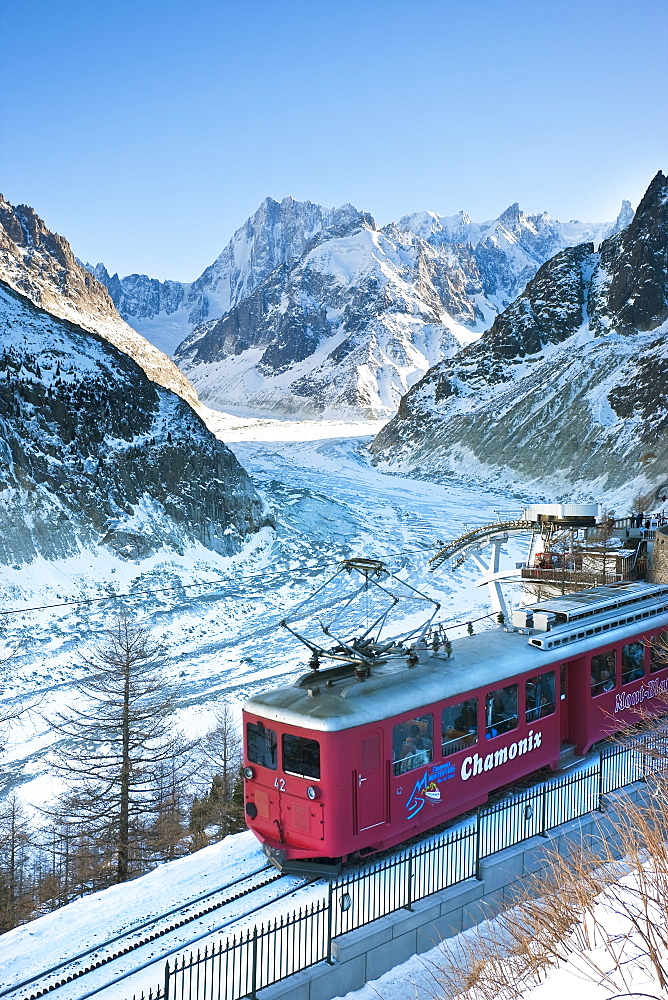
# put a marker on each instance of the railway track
(54, 978)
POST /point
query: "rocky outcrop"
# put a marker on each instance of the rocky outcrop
(96, 455)
(40, 265)
(167, 312)
(568, 384)
(501, 256)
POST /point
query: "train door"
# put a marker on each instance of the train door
(567, 688)
(369, 779)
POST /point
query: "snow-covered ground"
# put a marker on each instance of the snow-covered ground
(617, 958)
(219, 618)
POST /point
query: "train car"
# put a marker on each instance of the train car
(340, 764)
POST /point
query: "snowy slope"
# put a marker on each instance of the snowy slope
(568, 385)
(96, 454)
(40, 264)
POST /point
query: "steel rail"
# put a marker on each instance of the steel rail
(160, 932)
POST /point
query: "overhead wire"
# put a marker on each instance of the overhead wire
(222, 584)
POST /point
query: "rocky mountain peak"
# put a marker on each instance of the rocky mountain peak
(297, 277)
(631, 292)
(625, 216)
(512, 215)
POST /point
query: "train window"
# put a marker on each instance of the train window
(603, 672)
(501, 711)
(658, 652)
(540, 696)
(459, 726)
(413, 743)
(301, 756)
(633, 662)
(370, 754)
(261, 743)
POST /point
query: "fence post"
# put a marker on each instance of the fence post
(254, 969)
(477, 845)
(409, 904)
(600, 781)
(330, 915)
(167, 980)
(543, 810)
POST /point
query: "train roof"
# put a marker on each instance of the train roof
(333, 699)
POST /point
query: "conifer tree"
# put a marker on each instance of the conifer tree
(16, 877)
(115, 743)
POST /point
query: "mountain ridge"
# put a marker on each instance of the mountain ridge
(559, 385)
(40, 264)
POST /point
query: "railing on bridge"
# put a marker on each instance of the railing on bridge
(572, 577)
(450, 549)
(259, 956)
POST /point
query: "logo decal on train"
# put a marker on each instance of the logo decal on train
(477, 764)
(652, 689)
(426, 787)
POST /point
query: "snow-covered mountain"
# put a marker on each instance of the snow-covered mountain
(311, 310)
(344, 330)
(166, 312)
(568, 385)
(507, 251)
(40, 264)
(96, 455)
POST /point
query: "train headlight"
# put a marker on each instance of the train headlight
(313, 793)
(249, 773)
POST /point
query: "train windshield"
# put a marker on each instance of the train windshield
(261, 744)
(301, 756)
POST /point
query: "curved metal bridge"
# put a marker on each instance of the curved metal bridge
(478, 538)
(543, 521)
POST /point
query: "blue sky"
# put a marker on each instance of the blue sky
(147, 132)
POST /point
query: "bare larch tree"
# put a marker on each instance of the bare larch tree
(115, 743)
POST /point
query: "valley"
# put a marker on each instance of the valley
(217, 616)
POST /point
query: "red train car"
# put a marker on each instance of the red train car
(337, 766)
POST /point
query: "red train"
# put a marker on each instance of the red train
(340, 764)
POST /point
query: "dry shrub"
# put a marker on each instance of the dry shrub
(602, 908)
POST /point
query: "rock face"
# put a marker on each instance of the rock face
(344, 330)
(167, 312)
(315, 311)
(568, 385)
(40, 264)
(95, 454)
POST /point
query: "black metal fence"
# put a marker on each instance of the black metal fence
(259, 956)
